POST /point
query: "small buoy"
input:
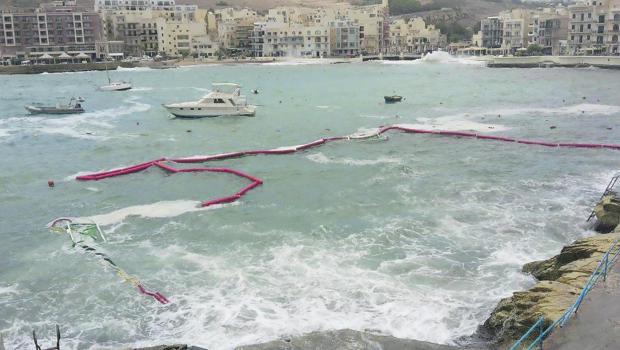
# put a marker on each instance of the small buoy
(552, 127)
(188, 130)
(280, 101)
(89, 133)
(584, 97)
(50, 183)
(499, 115)
(137, 123)
(609, 128)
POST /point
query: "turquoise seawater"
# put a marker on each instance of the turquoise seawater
(415, 236)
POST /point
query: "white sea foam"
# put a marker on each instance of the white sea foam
(90, 125)
(163, 209)
(585, 109)
(134, 69)
(323, 159)
(140, 89)
(302, 61)
(5, 132)
(11, 289)
(454, 123)
(437, 57)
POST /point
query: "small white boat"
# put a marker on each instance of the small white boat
(72, 107)
(116, 86)
(224, 100)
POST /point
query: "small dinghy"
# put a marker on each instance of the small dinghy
(74, 106)
(393, 99)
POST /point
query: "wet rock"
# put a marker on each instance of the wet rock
(561, 279)
(346, 339)
(513, 316)
(607, 213)
(168, 347)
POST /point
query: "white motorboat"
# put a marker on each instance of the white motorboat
(225, 99)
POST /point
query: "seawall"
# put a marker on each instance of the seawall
(610, 62)
(80, 67)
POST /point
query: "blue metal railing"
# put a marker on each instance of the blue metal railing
(601, 270)
(608, 190)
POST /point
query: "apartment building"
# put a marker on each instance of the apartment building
(178, 33)
(344, 38)
(414, 36)
(594, 27)
(492, 32)
(52, 29)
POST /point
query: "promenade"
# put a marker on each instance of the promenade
(596, 326)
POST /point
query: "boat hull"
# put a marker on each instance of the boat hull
(118, 87)
(53, 110)
(392, 99)
(202, 112)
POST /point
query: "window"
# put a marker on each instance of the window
(614, 39)
(218, 100)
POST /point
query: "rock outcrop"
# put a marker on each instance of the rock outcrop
(561, 279)
(607, 213)
(347, 339)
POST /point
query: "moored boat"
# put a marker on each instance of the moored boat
(392, 99)
(74, 106)
(225, 99)
(116, 86)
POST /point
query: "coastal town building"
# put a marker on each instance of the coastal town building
(492, 32)
(134, 5)
(344, 38)
(515, 30)
(234, 30)
(414, 36)
(590, 27)
(180, 34)
(60, 31)
(594, 27)
(136, 28)
(548, 28)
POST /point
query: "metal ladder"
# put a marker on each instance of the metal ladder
(608, 190)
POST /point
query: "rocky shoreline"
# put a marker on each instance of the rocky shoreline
(560, 280)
